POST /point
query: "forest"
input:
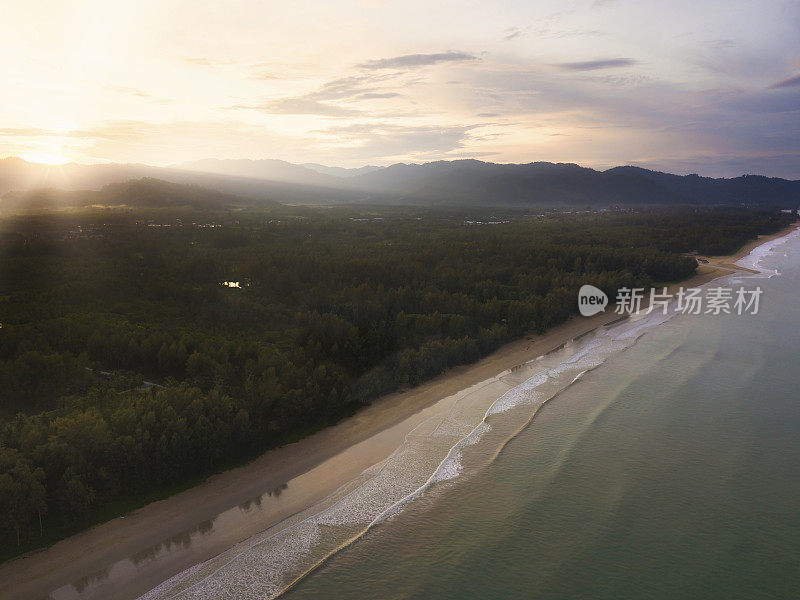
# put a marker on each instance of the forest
(143, 350)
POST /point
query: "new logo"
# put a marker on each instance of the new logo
(591, 300)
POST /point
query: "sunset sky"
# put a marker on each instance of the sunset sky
(710, 87)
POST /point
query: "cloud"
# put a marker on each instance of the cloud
(514, 32)
(417, 60)
(348, 87)
(203, 61)
(322, 102)
(264, 75)
(732, 165)
(131, 91)
(199, 60)
(188, 140)
(168, 142)
(790, 82)
(593, 65)
(378, 95)
(362, 140)
(722, 44)
(304, 106)
(759, 102)
(715, 89)
(26, 132)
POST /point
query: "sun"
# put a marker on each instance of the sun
(44, 157)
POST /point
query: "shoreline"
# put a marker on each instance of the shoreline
(316, 467)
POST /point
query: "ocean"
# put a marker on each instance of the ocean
(657, 457)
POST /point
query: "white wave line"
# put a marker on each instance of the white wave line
(431, 479)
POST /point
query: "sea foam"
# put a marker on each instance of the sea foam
(433, 453)
(759, 253)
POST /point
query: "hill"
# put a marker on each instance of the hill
(271, 169)
(543, 183)
(144, 192)
(440, 183)
(19, 175)
(341, 171)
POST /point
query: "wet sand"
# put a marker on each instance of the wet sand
(166, 537)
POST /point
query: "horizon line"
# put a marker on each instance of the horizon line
(178, 166)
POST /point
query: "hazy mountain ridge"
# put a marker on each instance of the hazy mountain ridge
(19, 175)
(144, 192)
(472, 181)
(465, 182)
(341, 171)
(268, 168)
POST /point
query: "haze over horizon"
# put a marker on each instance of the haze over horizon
(685, 88)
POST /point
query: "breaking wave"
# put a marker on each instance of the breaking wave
(757, 255)
(434, 453)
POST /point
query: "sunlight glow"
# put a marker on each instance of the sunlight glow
(359, 82)
(44, 157)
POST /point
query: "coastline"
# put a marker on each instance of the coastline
(325, 461)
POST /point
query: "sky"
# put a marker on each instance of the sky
(711, 87)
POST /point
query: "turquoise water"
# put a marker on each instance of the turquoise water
(672, 470)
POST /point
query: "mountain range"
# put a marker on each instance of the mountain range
(144, 192)
(440, 183)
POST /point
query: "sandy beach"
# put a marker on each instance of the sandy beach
(285, 480)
